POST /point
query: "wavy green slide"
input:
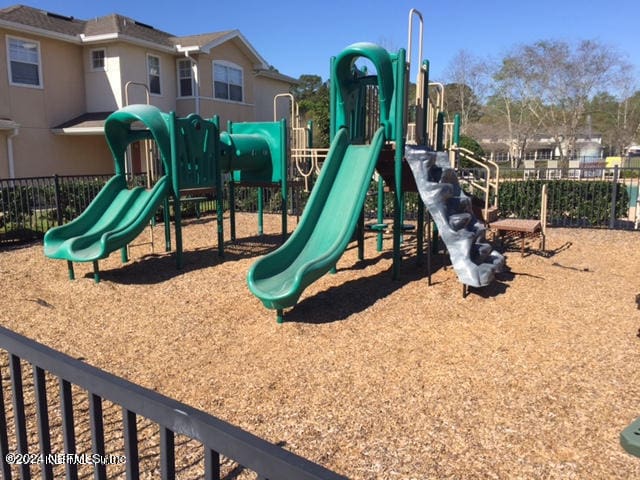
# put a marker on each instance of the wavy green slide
(327, 224)
(114, 218)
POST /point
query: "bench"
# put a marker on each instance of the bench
(520, 226)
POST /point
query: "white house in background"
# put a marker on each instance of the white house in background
(60, 77)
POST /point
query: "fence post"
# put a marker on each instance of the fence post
(614, 194)
(56, 182)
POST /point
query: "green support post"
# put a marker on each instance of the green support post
(284, 186)
(380, 212)
(402, 208)
(398, 133)
(72, 275)
(232, 209)
(456, 129)
(124, 256)
(220, 217)
(260, 210)
(177, 216)
(96, 272)
(360, 235)
(279, 316)
(167, 225)
(425, 96)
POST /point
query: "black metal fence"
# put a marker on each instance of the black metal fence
(62, 418)
(30, 206)
(585, 197)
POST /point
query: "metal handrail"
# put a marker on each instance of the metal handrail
(217, 436)
(486, 164)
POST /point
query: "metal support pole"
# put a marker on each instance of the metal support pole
(177, 214)
(220, 213)
(167, 225)
(420, 232)
(360, 235)
(429, 258)
(260, 210)
(380, 212)
(614, 195)
(96, 272)
(56, 182)
(232, 209)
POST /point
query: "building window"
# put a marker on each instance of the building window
(186, 82)
(24, 62)
(227, 81)
(153, 68)
(98, 59)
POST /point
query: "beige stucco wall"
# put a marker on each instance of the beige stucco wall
(5, 94)
(71, 88)
(227, 110)
(62, 97)
(103, 89)
(39, 153)
(133, 68)
(265, 91)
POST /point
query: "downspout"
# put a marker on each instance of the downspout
(12, 167)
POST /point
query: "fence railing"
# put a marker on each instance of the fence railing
(86, 440)
(587, 197)
(31, 206)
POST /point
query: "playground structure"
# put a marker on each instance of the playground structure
(194, 155)
(368, 130)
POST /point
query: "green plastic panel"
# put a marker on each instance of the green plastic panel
(346, 87)
(195, 150)
(274, 134)
(119, 132)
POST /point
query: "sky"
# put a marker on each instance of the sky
(300, 37)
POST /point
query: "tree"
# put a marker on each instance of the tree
(616, 119)
(547, 86)
(312, 95)
(466, 78)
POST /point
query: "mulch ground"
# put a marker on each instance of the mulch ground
(532, 377)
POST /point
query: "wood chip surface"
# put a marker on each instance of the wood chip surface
(532, 377)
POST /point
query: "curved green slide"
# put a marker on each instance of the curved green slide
(326, 226)
(118, 214)
(114, 218)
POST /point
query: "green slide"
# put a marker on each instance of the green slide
(326, 226)
(114, 218)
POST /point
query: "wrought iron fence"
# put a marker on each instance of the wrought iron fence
(100, 421)
(593, 197)
(30, 206)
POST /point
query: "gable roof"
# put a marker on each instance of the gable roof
(118, 27)
(42, 20)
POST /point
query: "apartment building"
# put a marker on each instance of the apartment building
(61, 77)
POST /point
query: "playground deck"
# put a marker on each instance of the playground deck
(532, 377)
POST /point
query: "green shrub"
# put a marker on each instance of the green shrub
(575, 202)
